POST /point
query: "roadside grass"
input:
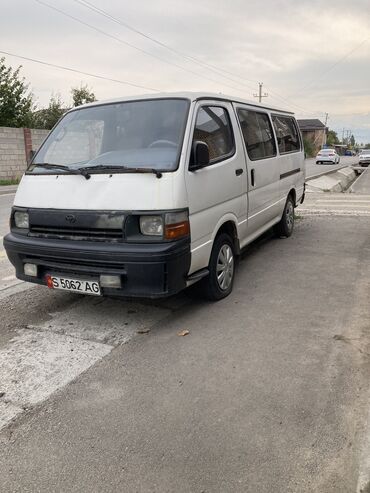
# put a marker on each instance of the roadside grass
(12, 181)
(297, 217)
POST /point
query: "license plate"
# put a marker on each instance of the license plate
(76, 285)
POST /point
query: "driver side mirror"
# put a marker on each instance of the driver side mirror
(199, 155)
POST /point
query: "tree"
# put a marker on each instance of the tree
(82, 95)
(332, 138)
(16, 102)
(353, 141)
(48, 117)
(309, 148)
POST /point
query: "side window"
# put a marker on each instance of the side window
(214, 128)
(257, 133)
(286, 134)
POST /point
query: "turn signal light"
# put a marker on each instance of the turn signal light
(178, 230)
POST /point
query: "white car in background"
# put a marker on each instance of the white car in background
(327, 156)
(364, 158)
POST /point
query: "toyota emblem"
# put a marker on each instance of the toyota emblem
(70, 218)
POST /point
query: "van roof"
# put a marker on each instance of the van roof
(192, 96)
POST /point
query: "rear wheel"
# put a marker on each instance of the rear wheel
(219, 283)
(286, 225)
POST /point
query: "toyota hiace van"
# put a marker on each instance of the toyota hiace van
(144, 196)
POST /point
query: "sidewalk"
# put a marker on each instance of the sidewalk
(362, 184)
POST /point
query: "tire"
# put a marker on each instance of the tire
(286, 225)
(222, 254)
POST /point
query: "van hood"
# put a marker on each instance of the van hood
(127, 191)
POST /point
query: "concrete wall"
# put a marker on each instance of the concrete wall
(13, 145)
(38, 136)
(316, 137)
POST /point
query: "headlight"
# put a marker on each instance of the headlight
(151, 225)
(21, 220)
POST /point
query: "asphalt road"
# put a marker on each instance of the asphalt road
(267, 392)
(7, 277)
(6, 202)
(313, 169)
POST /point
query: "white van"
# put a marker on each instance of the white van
(144, 196)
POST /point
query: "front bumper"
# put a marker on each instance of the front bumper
(149, 270)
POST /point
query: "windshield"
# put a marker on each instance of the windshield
(137, 134)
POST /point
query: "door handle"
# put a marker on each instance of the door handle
(252, 177)
(239, 171)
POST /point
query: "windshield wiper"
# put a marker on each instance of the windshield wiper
(122, 169)
(73, 171)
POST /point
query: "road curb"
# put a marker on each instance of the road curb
(329, 172)
(350, 190)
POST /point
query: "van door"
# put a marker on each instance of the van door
(217, 192)
(263, 169)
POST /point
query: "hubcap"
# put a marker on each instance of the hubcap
(225, 267)
(289, 215)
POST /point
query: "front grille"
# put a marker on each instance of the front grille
(76, 266)
(65, 233)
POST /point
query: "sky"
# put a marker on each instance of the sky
(313, 56)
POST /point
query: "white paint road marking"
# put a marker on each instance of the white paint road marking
(36, 364)
(103, 320)
(343, 201)
(8, 278)
(42, 359)
(332, 212)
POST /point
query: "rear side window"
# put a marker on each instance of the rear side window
(286, 134)
(257, 134)
(214, 128)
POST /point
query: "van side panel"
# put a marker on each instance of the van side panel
(292, 171)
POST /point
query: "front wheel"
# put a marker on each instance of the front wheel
(286, 225)
(219, 283)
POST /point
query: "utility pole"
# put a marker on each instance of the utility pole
(260, 95)
(324, 136)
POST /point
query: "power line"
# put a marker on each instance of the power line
(278, 96)
(217, 70)
(116, 38)
(212, 68)
(92, 7)
(41, 62)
